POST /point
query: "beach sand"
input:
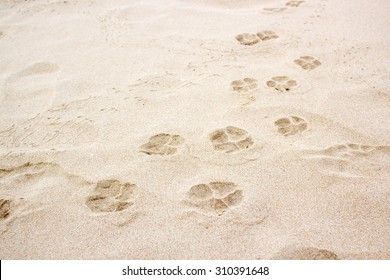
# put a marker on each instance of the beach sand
(185, 129)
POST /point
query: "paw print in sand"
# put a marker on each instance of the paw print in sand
(275, 10)
(353, 160)
(291, 125)
(247, 39)
(111, 196)
(294, 3)
(162, 144)
(305, 253)
(348, 150)
(308, 62)
(267, 35)
(244, 85)
(230, 139)
(281, 83)
(215, 197)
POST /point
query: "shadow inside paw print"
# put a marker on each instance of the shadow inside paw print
(291, 125)
(5, 207)
(111, 196)
(281, 83)
(308, 62)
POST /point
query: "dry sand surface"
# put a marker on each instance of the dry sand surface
(194, 129)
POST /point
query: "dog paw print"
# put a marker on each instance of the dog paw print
(267, 35)
(245, 89)
(230, 139)
(308, 62)
(247, 39)
(111, 196)
(353, 160)
(281, 83)
(215, 197)
(274, 10)
(291, 125)
(244, 85)
(5, 207)
(305, 253)
(348, 150)
(162, 144)
(294, 3)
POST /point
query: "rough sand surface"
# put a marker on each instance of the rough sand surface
(187, 129)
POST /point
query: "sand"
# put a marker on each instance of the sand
(187, 129)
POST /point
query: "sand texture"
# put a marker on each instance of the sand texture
(194, 129)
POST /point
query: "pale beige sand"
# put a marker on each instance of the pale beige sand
(194, 129)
